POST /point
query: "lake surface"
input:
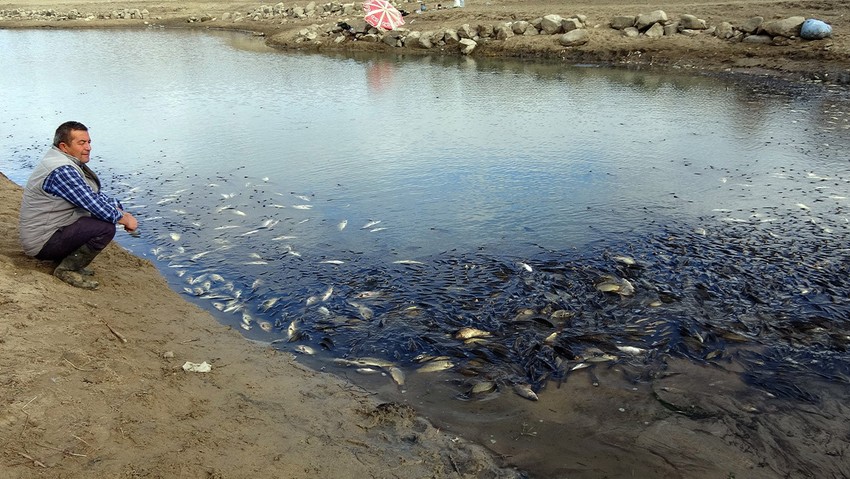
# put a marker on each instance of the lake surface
(372, 207)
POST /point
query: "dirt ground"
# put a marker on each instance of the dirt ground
(92, 383)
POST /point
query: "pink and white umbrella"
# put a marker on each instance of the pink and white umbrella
(381, 14)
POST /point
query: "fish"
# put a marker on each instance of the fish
(312, 300)
(216, 277)
(524, 390)
(483, 387)
(436, 365)
(304, 349)
(255, 262)
(175, 236)
(292, 329)
(303, 198)
(327, 294)
(265, 326)
(283, 238)
(468, 333)
(268, 304)
(342, 224)
(407, 261)
(370, 224)
(364, 362)
(526, 266)
(631, 350)
(367, 370)
(332, 261)
(249, 232)
(368, 294)
(397, 375)
(625, 260)
(302, 207)
(365, 312)
(239, 213)
(375, 230)
(256, 284)
(227, 227)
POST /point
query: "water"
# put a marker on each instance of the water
(373, 206)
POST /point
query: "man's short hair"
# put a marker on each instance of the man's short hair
(63, 133)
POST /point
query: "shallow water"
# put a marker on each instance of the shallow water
(372, 206)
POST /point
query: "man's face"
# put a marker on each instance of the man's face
(79, 147)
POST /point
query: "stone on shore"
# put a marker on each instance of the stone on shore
(574, 38)
(646, 20)
(788, 27)
(622, 22)
(551, 24)
(467, 46)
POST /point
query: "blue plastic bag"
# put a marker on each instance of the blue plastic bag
(815, 30)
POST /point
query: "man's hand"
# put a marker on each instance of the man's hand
(129, 222)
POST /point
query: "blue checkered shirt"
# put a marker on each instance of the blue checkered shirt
(67, 183)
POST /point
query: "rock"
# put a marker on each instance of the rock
(467, 46)
(574, 38)
(450, 37)
(570, 24)
(622, 22)
(752, 25)
(631, 32)
(671, 28)
(503, 32)
(788, 27)
(520, 27)
(691, 22)
(551, 24)
(644, 21)
(485, 31)
(813, 29)
(725, 31)
(760, 39)
(655, 31)
(465, 31)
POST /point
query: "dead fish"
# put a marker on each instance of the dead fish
(268, 304)
(303, 198)
(312, 300)
(175, 236)
(397, 375)
(368, 294)
(625, 260)
(631, 350)
(551, 338)
(370, 224)
(328, 294)
(375, 230)
(239, 213)
(408, 261)
(468, 333)
(483, 387)
(255, 262)
(368, 370)
(265, 326)
(525, 391)
(364, 362)
(302, 207)
(342, 224)
(292, 329)
(436, 365)
(332, 261)
(304, 349)
(526, 266)
(365, 312)
(227, 227)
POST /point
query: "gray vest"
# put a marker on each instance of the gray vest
(42, 213)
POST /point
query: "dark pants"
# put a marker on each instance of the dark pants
(85, 231)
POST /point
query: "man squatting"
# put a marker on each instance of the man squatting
(64, 215)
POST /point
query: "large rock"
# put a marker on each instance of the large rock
(646, 20)
(551, 24)
(570, 24)
(787, 27)
(759, 39)
(503, 32)
(574, 38)
(467, 46)
(451, 37)
(465, 31)
(631, 32)
(725, 31)
(622, 22)
(690, 22)
(655, 31)
(813, 29)
(520, 27)
(752, 25)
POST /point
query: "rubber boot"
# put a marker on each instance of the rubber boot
(71, 269)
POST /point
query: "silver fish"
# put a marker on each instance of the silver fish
(332, 261)
(302, 207)
(328, 294)
(304, 349)
(397, 375)
(407, 261)
(525, 391)
(342, 224)
(436, 365)
(468, 333)
(370, 224)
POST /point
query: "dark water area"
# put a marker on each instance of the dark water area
(505, 227)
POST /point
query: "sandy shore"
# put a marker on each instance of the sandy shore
(93, 384)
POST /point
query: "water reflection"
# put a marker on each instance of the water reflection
(373, 213)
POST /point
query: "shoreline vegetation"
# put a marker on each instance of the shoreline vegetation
(93, 381)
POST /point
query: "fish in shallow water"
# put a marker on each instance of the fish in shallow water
(525, 391)
(469, 333)
(342, 224)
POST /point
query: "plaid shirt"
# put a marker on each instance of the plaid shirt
(67, 183)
